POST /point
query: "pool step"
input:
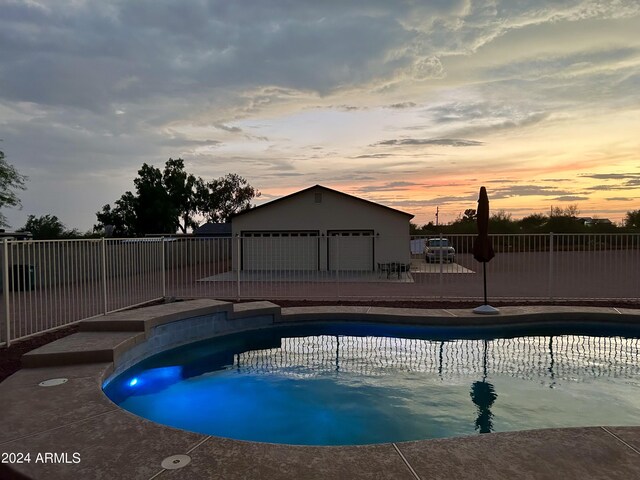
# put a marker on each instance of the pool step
(82, 347)
(103, 339)
(144, 319)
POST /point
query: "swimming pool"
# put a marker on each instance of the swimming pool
(356, 383)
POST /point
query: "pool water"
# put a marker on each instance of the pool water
(347, 384)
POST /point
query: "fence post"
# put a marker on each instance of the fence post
(163, 270)
(550, 265)
(104, 274)
(238, 267)
(441, 279)
(337, 237)
(5, 287)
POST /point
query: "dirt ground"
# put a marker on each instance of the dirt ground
(10, 357)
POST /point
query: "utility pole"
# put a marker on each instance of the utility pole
(437, 212)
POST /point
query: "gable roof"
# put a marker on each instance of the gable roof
(210, 228)
(326, 189)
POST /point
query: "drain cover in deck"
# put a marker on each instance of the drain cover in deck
(175, 461)
(53, 382)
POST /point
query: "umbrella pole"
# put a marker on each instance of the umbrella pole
(484, 274)
(485, 309)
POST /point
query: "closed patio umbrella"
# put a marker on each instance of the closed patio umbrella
(482, 248)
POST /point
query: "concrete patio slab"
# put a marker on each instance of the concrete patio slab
(581, 453)
(29, 409)
(302, 314)
(628, 435)
(421, 266)
(462, 317)
(112, 445)
(33, 376)
(230, 460)
(250, 309)
(309, 276)
(626, 311)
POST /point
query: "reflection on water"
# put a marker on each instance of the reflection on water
(327, 388)
(575, 358)
(483, 395)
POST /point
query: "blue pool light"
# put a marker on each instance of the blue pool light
(143, 382)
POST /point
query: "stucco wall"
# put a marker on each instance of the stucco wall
(334, 212)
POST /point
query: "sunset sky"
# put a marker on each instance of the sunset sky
(413, 104)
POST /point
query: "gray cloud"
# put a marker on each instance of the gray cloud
(630, 181)
(139, 50)
(393, 186)
(527, 191)
(180, 141)
(227, 128)
(570, 198)
(611, 176)
(500, 180)
(497, 125)
(436, 201)
(131, 51)
(376, 155)
(347, 108)
(560, 65)
(620, 199)
(401, 105)
(449, 142)
(282, 174)
(452, 184)
(472, 119)
(606, 188)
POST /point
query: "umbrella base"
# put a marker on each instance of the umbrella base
(486, 310)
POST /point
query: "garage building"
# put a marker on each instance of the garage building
(319, 228)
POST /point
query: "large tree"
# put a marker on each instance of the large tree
(119, 220)
(47, 227)
(564, 220)
(154, 209)
(172, 199)
(632, 219)
(10, 181)
(219, 199)
(181, 188)
(502, 222)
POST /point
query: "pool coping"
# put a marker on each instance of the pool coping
(77, 417)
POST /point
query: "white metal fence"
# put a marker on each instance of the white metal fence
(48, 284)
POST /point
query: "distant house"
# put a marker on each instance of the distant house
(15, 235)
(589, 222)
(319, 228)
(211, 229)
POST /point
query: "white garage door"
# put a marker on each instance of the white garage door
(350, 250)
(280, 250)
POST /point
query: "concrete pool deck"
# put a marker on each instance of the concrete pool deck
(77, 418)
